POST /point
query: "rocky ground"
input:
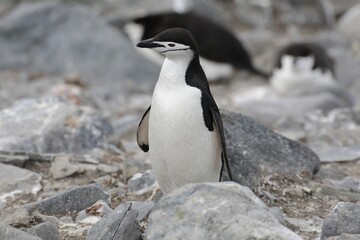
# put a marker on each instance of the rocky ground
(73, 89)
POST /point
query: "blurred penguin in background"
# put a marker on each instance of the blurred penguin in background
(302, 68)
(220, 51)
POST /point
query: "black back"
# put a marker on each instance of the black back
(322, 60)
(215, 42)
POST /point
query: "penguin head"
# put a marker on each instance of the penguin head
(173, 42)
(304, 56)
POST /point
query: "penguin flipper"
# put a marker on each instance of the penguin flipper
(220, 129)
(143, 131)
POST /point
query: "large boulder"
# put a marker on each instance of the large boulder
(214, 211)
(344, 218)
(58, 38)
(256, 152)
(51, 125)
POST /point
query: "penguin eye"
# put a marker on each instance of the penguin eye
(171, 45)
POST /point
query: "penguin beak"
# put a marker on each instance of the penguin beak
(148, 43)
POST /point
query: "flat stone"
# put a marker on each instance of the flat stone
(351, 184)
(331, 192)
(17, 216)
(120, 224)
(64, 127)
(93, 214)
(8, 232)
(15, 182)
(255, 151)
(334, 136)
(223, 210)
(345, 236)
(269, 110)
(344, 218)
(64, 166)
(46, 230)
(347, 23)
(143, 209)
(75, 199)
(141, 183)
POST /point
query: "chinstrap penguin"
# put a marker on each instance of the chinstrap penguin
(182, 129)
(302, 68)
(220, 51)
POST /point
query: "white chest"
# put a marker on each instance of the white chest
(182, 149)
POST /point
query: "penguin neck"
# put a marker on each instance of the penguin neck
(174, 70)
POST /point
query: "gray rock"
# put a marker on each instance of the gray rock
(15, 182)
(351, 184)
(65, 220)
(75, 199)
(141, 183)
(330, 192)
(94, 213)
(330, 171)
(64, 127)
(120, 224)
(13, 159)
(270, 110)
(347, 70)
(344, 218)
(334, 136)
(143, 209)
(17, 216)
(224, 210)
(68, 165)
(347, 23)
(256, 152)
(345, 236)
(255, 14)
(58, 38)
(129, 9)
(8, 232)
(341, 6)
(310, 225)
(46, 231)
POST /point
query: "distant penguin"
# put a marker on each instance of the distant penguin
(302, 68)
(182, 129)
(221, 52)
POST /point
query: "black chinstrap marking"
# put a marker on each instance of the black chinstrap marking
(174, 50)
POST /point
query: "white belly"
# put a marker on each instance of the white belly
(182, 149)
(286, 82)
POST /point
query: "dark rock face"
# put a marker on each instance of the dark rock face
(344, 218)
(120, 224)
(256, 152)
(58, 38)
(224, 210)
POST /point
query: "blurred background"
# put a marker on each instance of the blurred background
(73, 86)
